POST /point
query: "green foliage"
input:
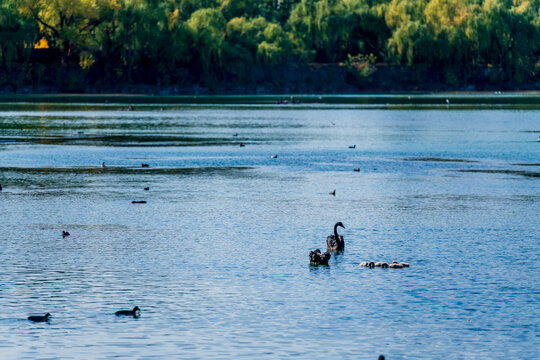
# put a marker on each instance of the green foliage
(168, 41)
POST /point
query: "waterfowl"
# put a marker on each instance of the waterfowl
(381, 264)
(39, 318)
(369, 264)
(147, 188)
(235, 134)
(138, 202)
(332, 123)
(136, 312)
(65, 233)
(333, 192)
(103, 164)
(0, 187)
(335, 242)
(352, 147)
(357, 169)
(145, 165)
(316, 258)
(273, 157)
(242, 145)
(398, 265)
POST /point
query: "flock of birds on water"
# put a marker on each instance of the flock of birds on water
(336, 244)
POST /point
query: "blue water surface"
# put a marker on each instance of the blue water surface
(217, 259)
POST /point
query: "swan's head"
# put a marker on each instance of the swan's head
(340, 224)
(135, 309)
(47, 315)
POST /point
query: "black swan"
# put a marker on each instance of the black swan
(39, 318)
(136, 312)
(335, 242)
(147, 188)
(145, 165)
(316, 258)
(352, 147)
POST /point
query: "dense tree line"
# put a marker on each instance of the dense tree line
(74, 43)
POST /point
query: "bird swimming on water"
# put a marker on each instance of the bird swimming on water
(316, 258)
(333, 192)
(145, 165)
(273, 157)
(147, 188)
(352, 147)
(39, 318)
(136, 312)
(65, 233)
(335, 242)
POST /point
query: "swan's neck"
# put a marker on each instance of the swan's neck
(335, 232)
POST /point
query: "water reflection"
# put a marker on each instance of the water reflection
(217, 258)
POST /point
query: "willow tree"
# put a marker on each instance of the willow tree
(206, 29)
(17, 37)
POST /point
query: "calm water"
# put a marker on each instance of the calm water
(218, 257)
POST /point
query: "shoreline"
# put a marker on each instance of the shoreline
(527, 97)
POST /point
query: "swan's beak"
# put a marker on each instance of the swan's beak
(343, 226)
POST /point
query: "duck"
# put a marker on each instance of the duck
(242, 145)
(335, 242)
(369, 264)
(138, 202)
(145, 165)
(147, 188)
(273, 157)
(39, 318)
(65, 233)
(316, 258)
(136, 312)
(235, 134)
(333, 192)
(381, 264)
(357, 170)
(352, 147)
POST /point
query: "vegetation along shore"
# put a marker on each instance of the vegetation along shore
(268, 46)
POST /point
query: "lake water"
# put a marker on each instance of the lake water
(217, 259)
